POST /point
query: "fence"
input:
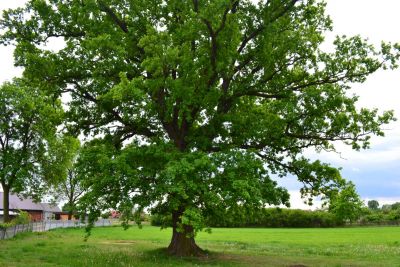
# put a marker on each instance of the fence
(10, 232)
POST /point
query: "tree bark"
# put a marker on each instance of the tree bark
(183, 243)
(6, 203)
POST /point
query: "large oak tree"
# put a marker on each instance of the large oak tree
(198, 104)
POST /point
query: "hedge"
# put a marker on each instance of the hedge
(271, 217)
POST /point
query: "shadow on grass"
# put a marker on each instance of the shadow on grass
(211, 258)
(217, 259)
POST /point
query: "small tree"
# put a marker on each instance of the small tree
(346, 203)
(29, 154)
(373, 204)
(69, 189)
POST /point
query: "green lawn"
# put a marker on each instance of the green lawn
(112, 246)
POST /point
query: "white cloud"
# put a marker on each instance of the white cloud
(296, 202)
(7, 69)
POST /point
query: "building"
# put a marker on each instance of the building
(37, 211)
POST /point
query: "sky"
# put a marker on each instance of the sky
(376, 172)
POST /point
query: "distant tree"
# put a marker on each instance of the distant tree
(394, 214)
(396, 206)
(373, 204)
(73, 191)
(198, 104)
(386, 208)
(346, 203)
(69, 190)
(30, 155)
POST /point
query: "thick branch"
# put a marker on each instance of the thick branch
(213, 56)
(121, 24)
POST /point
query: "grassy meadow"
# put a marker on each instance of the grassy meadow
(112, 246)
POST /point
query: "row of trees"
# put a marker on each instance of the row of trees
(189, 108)
(345, 209)
(270, 217)
(387, 214)
(374, 205)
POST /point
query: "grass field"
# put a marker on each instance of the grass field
(112, 246)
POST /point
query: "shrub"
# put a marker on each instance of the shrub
(394, 215)
(106, 215)
(5, 225)
(161, 220)
(22, 218)
(271, 217)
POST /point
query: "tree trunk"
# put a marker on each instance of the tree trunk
(6, 203)
(183, 243)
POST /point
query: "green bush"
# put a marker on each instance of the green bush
(161, 220)
(271, 217)
(393, 215)
(22, 218)
(106, 215)
(295, 218)
(144, 217)
(374, 218)
(5, 225)
(292, 218)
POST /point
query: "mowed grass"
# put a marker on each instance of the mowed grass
(112, 246)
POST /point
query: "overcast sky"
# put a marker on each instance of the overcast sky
(376, 172)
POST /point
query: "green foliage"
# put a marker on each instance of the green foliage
(6, 225)
(67, 207)
(281, 218)
(346, 204)
(396, 206)
(69, 189)
(106, 215)
(197, 106)
(373, 204)
(161, 220)
(389, 214)
(30, 154)
(22, 218)
(394, 215)
(374, 218)
(27, 130)
(271, 217)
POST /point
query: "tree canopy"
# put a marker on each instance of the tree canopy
(196, 106)
(346, 203)
(30, 155)
(69, 189)
(373, 204)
